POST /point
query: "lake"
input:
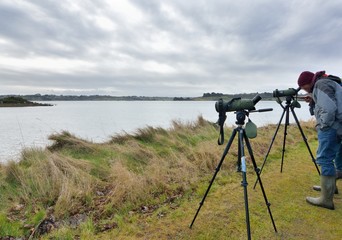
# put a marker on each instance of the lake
(97, 121)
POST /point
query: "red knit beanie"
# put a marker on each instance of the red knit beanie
(305, 78)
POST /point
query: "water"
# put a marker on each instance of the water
(98, 121)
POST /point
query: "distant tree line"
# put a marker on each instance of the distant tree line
(182, 99)
(213, 96)
(51, 97)
(14, 101)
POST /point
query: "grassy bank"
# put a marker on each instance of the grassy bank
(148, 185)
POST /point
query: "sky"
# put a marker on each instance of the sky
(173, 48)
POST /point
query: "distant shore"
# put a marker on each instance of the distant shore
(266, 96)
(205, 97)
(19, 102)
(26, 105)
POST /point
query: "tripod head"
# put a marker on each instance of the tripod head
(241, 115)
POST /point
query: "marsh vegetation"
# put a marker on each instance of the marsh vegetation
(148, 185)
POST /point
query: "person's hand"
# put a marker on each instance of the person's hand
(306, 98)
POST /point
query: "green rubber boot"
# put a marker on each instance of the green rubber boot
(318, 188)
(327, 193)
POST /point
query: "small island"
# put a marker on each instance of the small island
(19, 102)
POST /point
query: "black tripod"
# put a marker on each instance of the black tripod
(240, 117)
(290, 105)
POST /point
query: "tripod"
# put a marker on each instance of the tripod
(290, 105)
(240, 117)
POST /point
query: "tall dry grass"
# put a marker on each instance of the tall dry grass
(51, 179)
(130, 171)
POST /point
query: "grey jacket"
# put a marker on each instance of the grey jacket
(327, 95)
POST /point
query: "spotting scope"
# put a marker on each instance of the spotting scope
(285, 93)
(237, 104)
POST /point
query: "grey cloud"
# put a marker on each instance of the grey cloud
(213, 46)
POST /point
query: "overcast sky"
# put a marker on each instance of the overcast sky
(165, 47)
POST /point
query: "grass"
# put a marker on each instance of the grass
(148, 185)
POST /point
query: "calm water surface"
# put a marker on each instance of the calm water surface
(98, 121)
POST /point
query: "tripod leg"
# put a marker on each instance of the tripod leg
(244, 182)
(238, 162)
(305, 140)
(216, 171)
(257, 171)
(287, 117)
(269, 148)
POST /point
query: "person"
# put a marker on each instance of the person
(326, 100)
